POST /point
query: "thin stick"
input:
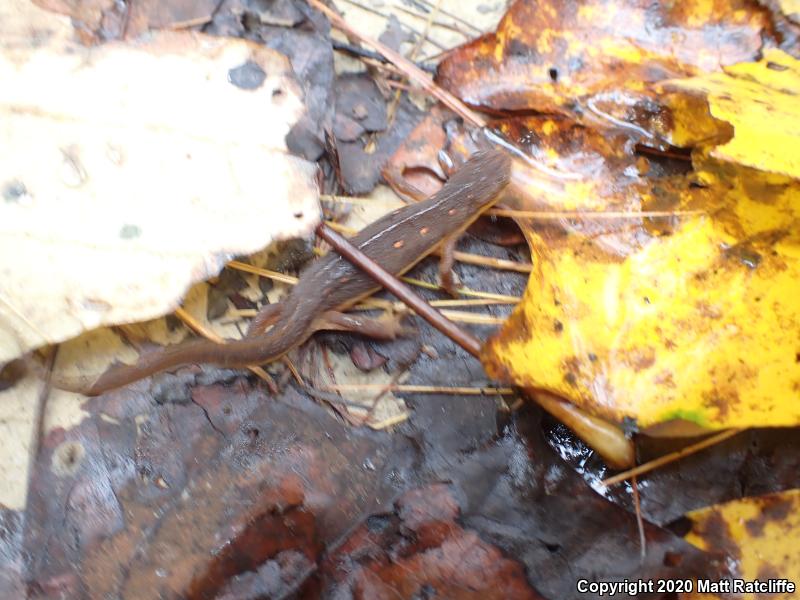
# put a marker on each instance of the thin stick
(494, 263)
(431, 20)
(585, 214)
(463, 302)
(463, 291)
(454, 17)
(41, 413)
(389, 422)
(240, 266)
(356, 51)
(197, 326)
(381, 304)
(293, 370)
(404, 87)
(462, 257)
(177, 26)
(464, 339)
(671, 457)
(486, 298)
(383, 66)
(639, 520)
(350, 199)
(395, 378)
(340, 228)
(458, 316)
(411, 70)
(398, 93)
(420, 389)
(378, 13)
(332, 397)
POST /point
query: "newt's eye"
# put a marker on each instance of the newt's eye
(399, 244)
(452, 211)
(424, 231)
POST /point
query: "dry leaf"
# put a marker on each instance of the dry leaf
(128, 172)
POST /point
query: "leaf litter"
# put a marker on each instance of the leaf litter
(506, 506)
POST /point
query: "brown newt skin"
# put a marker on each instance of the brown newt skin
(397, 242)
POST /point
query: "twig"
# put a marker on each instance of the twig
(671, 457)
(350, 199)
(390, 422)
(411, 70)
(381, 304)
(463, 302)
(453, 16)
(385, 390)
(548, 214)
(495, 263)
(385, 16)
(454, 315)
(189, 23)
(639, 520)
(293, 370)
(197, 326)
(464, 339)
(383, 66)
(373, 303)
(390, 112)
(403, 87)
(458, 316)
(463, 291)
(240, 266)
(585, 214)
(41, 413)
(431, 20)
(463, 257)
(343, 229)
(356, 51)
(421, 389)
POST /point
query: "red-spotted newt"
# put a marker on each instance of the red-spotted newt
(397, 242)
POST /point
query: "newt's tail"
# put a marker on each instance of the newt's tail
(234, 354)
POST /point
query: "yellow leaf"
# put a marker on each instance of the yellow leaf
(701, 324)
(762, 534)
(761, 100)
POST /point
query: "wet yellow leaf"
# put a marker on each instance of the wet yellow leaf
(551, 56)
(698, 320)
(761, 100)
(762, 534)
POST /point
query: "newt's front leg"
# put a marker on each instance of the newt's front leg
(388, 326)
(447, 277)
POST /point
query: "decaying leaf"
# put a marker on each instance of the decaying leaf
(692, 316)
(129, 171)
(761, 534)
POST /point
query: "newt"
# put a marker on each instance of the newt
(397, 242)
